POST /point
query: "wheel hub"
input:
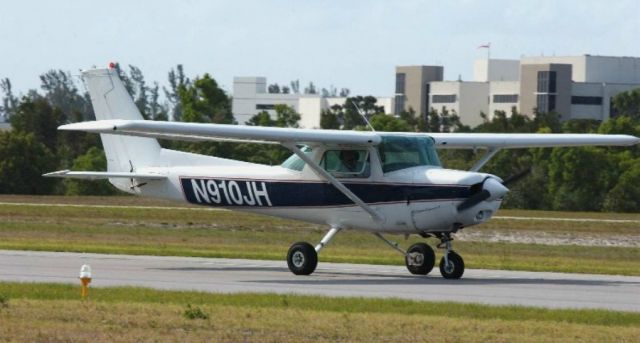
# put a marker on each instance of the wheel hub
(298, 259)
(416, 259)
(449, 267)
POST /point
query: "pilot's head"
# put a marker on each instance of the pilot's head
(349, 158)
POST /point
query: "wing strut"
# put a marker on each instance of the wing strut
(490, 153)
(342, 188)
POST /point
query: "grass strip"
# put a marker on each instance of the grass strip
(40, 291)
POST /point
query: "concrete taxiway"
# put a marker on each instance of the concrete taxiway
(496, 287)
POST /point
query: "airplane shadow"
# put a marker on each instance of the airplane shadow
(323, 277)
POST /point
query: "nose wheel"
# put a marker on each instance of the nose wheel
(451, 264)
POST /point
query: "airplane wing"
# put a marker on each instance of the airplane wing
(527, 140)
(276, 135)
(219, 132)
(96, 175)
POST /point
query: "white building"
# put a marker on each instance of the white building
(250, 97)
(576, 87)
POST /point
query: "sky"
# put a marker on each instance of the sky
(353, 44)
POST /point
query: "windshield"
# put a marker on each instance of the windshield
(401, 152)
(294, 162)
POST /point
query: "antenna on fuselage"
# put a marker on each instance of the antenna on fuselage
(363, 116)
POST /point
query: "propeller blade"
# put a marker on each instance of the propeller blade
(492, 189)
(517, 176)
(474, 200)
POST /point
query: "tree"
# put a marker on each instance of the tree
(61, 92)
(156, 110)
(139, 91)
(36, 116)
(93, 159)
(9, 101)
(627, 104)
(295, 86)
(329, 120)
(205, 102)
(273, 88)
(22, 161)
(580, 178)
(263, 118)
(286, 116)
(444, 121)
(177, 80)
(351, 116)
(625, 196)
(310, 89)
(388, 123)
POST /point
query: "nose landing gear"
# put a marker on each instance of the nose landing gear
(451, 264)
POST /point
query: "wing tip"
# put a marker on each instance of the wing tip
(59, 173)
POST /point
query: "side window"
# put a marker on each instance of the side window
(346, 163)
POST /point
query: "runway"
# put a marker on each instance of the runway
(496, 287)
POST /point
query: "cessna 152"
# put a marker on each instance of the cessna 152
(371, 181)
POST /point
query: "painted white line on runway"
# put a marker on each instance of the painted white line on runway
(591, 220)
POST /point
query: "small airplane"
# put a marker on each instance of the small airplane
(378, 182)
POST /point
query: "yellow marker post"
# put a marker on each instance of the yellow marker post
(85, 279)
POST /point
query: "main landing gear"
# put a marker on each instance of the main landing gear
(420, 258)
(302, 257)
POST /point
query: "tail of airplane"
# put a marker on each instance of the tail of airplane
(111, 100)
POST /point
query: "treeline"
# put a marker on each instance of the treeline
(588, 179)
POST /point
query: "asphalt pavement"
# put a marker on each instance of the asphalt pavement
(496, 287)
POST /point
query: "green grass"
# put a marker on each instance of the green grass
(40, 291)
(54, 312)
(185, 232)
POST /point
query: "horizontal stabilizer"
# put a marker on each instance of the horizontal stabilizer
(96, 175)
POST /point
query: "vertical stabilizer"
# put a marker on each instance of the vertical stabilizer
(111, 100)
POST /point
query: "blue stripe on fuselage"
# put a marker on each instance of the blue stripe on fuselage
(272, 193)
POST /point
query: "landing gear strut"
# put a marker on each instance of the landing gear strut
(419, 259)
(302, 258)
(451, 264)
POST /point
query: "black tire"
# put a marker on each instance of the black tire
(302, 258)
(427, 259)
(456, 266)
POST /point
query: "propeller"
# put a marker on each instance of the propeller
(490, 189)
(517, 176)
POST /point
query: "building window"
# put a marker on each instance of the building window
(586, 100)
(447, 99)
(265, 106)
(400, 83)
(505, 98)
(545, 103)
(547, 82)
(399, 104)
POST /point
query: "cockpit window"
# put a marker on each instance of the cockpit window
(346, 163)
(401, 152)
(294, 162)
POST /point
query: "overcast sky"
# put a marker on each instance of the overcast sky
(353, 44)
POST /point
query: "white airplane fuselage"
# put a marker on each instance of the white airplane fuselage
(419, 199)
